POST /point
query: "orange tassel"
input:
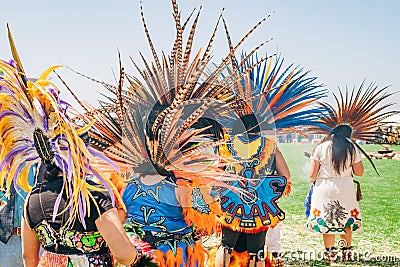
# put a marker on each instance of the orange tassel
(241, 259)
(179, 257)
(197, 254)
(288, 188)
(160, 258)
(170, 259)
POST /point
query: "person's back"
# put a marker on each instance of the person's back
(159, 201)
(60, 238)
(323, 153)
(154, 203)
(68, 241)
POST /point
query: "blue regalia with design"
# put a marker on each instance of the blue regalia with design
(277, 98)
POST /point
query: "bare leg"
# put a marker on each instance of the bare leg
(347, 237)
(260, 263)
(330, 251)
(256, 262)
(329, 240)
(346, 246)
(222, 257)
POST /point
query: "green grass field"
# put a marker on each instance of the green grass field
(379, 208)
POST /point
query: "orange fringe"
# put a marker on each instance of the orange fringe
(197, 254)
(205, 222)
(239, 259)
(173, 260)
(160, 258)
(288, 188)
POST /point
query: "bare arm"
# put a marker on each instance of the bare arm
(314, 169)
(122, 214)
(281, 166)
(30, 246)
(111, 229)
(358, 168)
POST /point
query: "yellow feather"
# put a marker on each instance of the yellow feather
(47, 72)
(14, 50)
(266, 74)
(85, 128)
(22, 179)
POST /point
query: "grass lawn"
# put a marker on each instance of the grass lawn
(379, 208)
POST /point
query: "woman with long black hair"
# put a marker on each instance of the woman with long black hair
(334, 207)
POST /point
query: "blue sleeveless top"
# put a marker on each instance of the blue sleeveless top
(155, 207)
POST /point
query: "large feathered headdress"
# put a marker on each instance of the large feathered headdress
(35, 129)
(171, 93)
(279, 97)
(362, 109)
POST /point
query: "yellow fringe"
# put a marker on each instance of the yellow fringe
(211, 257)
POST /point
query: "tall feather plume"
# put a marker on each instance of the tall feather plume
(364, 110)
(172, 83)
(282, 99)
(14, 52)
(42, 111)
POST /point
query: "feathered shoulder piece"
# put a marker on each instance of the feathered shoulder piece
(35, 128)
(362, 109)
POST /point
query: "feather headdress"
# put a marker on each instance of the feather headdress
(362, 109)
(33, 117)
(280, 98)
(175, 91)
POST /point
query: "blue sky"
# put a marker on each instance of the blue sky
(342, 42)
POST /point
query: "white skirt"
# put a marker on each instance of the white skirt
(334, 207)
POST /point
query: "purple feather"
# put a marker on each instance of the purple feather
(106, 185)
(16, 175)
(6, 131)
(103, 158)
(12, 63)
(57, 203)
(82, 208)
(11, 155)
(6, 113)
(32, 158)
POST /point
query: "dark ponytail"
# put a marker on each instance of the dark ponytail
(342, 147)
